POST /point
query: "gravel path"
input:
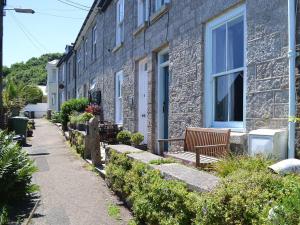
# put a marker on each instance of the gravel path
(69, 193)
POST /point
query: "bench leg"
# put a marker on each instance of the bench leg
(197, 158)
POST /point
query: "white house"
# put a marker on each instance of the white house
(52, 85)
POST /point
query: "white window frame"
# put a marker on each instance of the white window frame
(63, 72)
(53, 99)
(78, 61)
(209, 77)
(119, 98)
(94, 43)
(85, 54)
(160, 3)
(143, 11)
(120, 8)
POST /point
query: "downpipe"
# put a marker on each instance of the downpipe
(292, 80)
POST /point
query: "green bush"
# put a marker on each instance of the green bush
(73, 105)
(233, 164)
(154, 200)
(56, 117)
(137, 138)
(76, 118)
(3, 215)
(16, 171)
(124, 137)
(248, 194)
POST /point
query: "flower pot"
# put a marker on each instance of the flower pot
(81, 127)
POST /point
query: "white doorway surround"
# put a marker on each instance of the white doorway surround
(143, 99)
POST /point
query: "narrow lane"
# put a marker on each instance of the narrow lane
(69, 193)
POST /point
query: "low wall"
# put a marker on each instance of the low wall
(195, 179)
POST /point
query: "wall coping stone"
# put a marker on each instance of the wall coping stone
(195, 179)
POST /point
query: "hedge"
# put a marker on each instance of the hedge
(78, 105)
(246, 195)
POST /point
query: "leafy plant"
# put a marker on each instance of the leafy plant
(234, 164)
(93, 109)
(124, 137)
(137, 138)
(56, 117)
(162, 161)
(84, 117)
(3, 215)
(73, 105)
(16, 171)
(114, 211)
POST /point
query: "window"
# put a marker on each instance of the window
(160, 3)
(78, 61)
(53, 99)
(143, 11)
(63, 72)
(120, 22)
(69, 71)
(85, 53)
(53, 77)
(118, 98)
(225, 50)
(94, 43)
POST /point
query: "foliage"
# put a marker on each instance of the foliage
(154, 200)
(248, 194)
(3, 215)
(73, 105)
(233, 164)
(16, 170)
(81, 118)
(31, 94)
(137, 138)
(56, 117)
(93, 109)
(124, 137)
(162, 161)
(114, 211)
(32, 72)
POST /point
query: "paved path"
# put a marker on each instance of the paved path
(70, 194)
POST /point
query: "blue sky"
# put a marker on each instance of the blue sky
(46, 31)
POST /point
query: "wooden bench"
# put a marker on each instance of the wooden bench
(201, 146)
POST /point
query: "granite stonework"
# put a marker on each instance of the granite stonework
(195, 180)
(181, 27)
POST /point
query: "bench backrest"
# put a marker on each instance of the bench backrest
(195, 136)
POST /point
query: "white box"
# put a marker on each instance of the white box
(269, 142)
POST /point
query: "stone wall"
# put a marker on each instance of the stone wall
(182, 30)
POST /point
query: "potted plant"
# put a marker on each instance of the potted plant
(124, 137)
(29, 130)
(137, 139)
(82, 120)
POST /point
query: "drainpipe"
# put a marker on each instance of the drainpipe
(292, 81)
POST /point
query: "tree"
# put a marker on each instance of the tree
(31, 94)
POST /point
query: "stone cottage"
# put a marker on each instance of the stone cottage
(163, 65)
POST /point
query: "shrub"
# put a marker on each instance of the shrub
(124, 137)
(56, 117)
(137, 138)
(233, 164)
(84, 117)
(16, 171)
(3, 216)
(162, 161)
(93, 109)
(77, 105)
(154, 200)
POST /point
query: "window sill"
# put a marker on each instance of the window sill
(116, 48)
(159, 13)
(140, 28)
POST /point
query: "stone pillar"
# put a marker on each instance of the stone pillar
(94, 141)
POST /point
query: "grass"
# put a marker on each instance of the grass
(162, 161)
(114, 211)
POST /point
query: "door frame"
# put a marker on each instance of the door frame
(160, 93)
(140, 63)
